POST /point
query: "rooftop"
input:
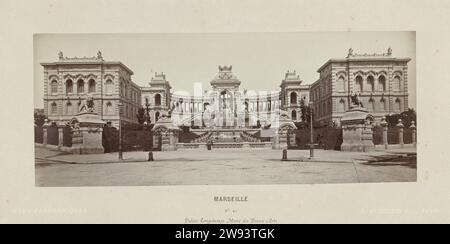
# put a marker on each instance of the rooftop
(356, 57)
(85, 60)
(226, 76)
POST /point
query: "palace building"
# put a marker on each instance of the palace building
(69, 81)
(292, 94)
(380, 80)
(225, 104)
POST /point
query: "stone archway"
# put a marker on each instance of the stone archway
(166, 134)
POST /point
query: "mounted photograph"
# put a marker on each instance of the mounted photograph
(224, 108)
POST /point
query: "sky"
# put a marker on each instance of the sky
(259, 60)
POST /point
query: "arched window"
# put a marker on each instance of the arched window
(157, 100)
(91, 86)
(54, 87)
(396, 83)
(156, 116)
(69, 108)
(293, 98)
(341, 84)
(69, 86)
(383, 105)
(372, 104)
(80, 86)
(109, 87)
(398, 105)
(109, 108)
(359, 84)
(370, 83)
(54, 108)
(294, 115)
(382, 83)
(342, 107)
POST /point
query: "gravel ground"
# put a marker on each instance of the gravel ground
(223, 167)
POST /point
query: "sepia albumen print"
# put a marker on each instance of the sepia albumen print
(224, 109)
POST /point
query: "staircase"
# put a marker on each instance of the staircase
(202, 138)
(249, 137)
(188, 121)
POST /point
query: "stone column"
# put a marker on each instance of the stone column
(171, 139)
(44, 132)
(174, 140)
(283, 144)
(400, 127)
(155, 140)
(414, 133)
(276, 141)
(384, 124)
(60, 134)
(292, 138)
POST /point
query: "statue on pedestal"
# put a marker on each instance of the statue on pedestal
(99, 55)
(356, 125)
(355, 100)
(87, 128)
(389, 51)
(350, 52)
(60, 55)
(88, 106)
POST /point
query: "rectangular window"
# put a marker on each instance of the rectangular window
(54, 108)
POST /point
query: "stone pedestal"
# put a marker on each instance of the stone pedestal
(168, 132)
(283, 140)
(61, 126)
(384, 124)
(292, 139)
(285, 126)
(169, 141)
(276, 142)
(414, 133)
(280, 140)
(45, 131)
(357, 130)
(400, 127)
(156, 141)
(87, 133)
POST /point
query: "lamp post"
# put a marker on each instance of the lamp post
(120, 131)
(311, 143)
(384, 124)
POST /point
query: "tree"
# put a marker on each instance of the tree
(39, 119)
(306, 112)
(407, 117)
(147, 111)
(141, 115)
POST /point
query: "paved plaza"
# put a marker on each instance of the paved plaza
(223, 167)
